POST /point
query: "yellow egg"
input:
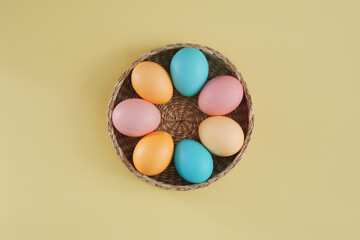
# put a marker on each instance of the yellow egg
(153, 153)
(221, 135)
(152, 82)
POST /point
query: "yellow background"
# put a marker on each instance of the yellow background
(61, 179)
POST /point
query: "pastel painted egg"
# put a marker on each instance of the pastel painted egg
(153, 153)
(221, 135)
(152, 82)
(221, 95)
(135, 117)
(193, 161)
(189, 70)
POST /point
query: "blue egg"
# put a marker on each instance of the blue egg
(189, 70)
(193, 161)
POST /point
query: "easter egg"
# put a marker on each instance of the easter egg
(152, 82)
(221, 95)
(153, 153)
(135, 117)
(221, 135)
(193, 161)
(189, 70)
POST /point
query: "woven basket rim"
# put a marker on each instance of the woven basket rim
(111, 128)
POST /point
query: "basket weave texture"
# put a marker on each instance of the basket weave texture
(180, 117)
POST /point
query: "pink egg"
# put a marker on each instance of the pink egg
(135, 117)
(221, 95)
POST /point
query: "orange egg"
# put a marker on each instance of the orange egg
(153, 153)
(221, 135)
(152, 82)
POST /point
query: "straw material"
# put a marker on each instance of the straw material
(180, 117)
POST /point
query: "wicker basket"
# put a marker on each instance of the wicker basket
(180, 117)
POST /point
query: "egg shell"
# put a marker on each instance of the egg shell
(193, 161)
(135, 117)
(189, 70)
(221, 95)
(153, 153)
(152, 82)
(221, 135)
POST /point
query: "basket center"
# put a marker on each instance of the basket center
(181, 117)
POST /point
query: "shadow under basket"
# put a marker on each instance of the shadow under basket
(180, 117)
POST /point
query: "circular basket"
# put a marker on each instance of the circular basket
(180, 117)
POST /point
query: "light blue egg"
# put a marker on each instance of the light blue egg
(189, 70)
(193, 161)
